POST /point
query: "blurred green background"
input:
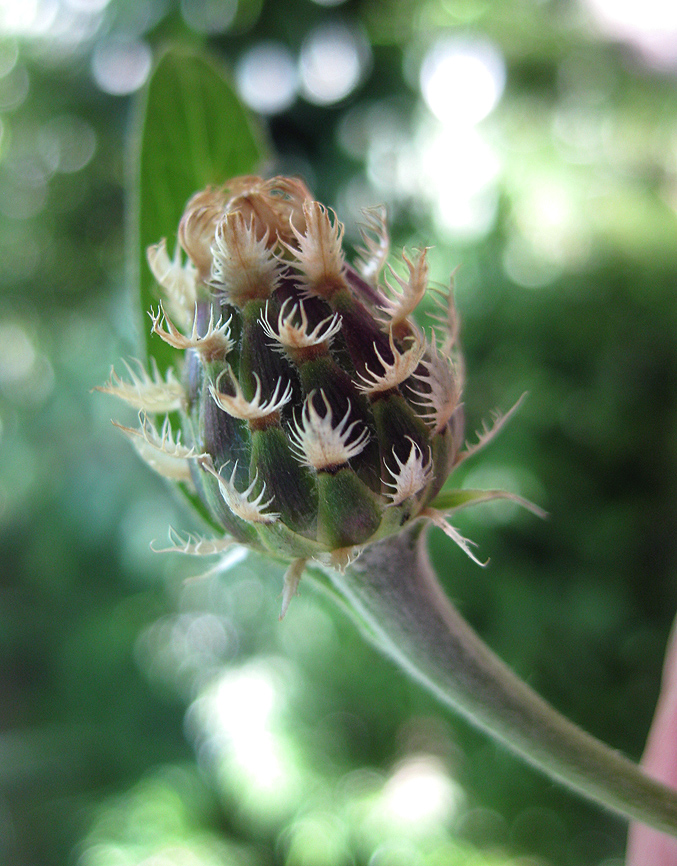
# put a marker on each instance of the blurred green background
(152, 712)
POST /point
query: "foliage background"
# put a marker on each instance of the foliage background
(149, 719)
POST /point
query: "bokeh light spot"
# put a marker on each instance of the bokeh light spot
(9, 54)
(22, 201)
(420, 795)
(650, 27)
(14, 88)
(121, 67)
(29, 18)
(462, 80)
(319, 838)
(237, 725)
(18, 16)
(26, 376)
(332, 62)
(90, 7)
(266, 77)
(67, 143)
(18, 354)
(525, 267)
(462, 171)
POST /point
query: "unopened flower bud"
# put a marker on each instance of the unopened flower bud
(316, 415)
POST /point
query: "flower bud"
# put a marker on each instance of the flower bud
(316, 416)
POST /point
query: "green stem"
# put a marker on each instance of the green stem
(397, 598)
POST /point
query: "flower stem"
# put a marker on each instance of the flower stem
(394, 592)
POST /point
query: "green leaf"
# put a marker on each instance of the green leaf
(453, 500)
(191, 131)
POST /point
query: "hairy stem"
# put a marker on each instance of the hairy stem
(395, 593)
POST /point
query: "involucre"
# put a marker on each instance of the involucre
(316, 416)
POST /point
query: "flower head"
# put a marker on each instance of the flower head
(333, 420)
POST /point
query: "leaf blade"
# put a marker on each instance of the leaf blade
(192, 131)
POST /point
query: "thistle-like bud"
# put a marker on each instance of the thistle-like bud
(316, 415)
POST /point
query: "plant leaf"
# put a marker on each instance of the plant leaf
(453, 500)
(191, 131)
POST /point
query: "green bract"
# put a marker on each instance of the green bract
(316, 416)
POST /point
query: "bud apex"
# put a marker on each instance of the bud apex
(243, 266)
(319, 255)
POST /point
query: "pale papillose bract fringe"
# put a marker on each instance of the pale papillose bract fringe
(316, 417)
